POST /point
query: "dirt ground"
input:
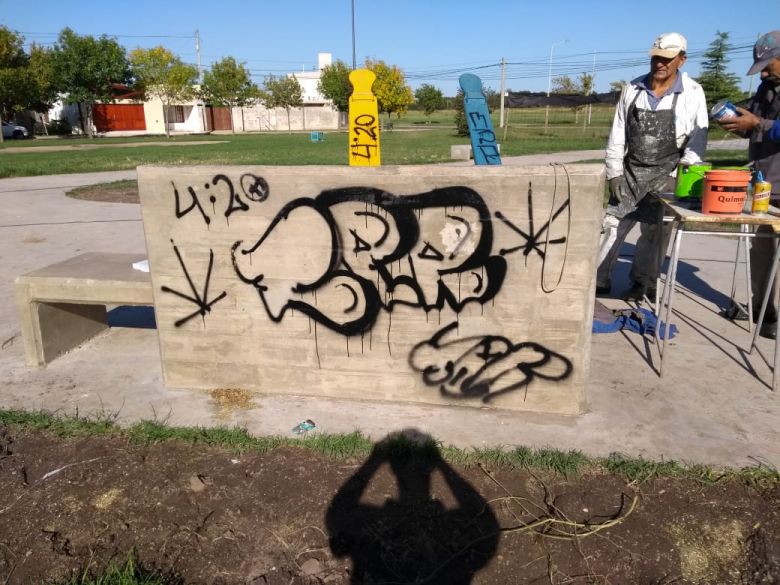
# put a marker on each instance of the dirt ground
(292, 516)
(117, 192)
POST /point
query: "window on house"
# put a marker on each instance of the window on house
(176, 114)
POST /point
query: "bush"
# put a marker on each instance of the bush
(59, 128)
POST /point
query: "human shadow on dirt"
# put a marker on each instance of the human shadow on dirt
(438, 529)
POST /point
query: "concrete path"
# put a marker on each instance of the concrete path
(93, 146)
(713, 404)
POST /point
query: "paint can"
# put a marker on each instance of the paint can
(690, 180)
(723, 110)
(724, 191)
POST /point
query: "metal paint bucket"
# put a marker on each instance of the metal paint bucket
(690, 180)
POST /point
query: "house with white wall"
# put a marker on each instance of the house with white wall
(128, 114)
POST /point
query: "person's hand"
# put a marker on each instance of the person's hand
(621, 200)
(742, 124)
(618, 190)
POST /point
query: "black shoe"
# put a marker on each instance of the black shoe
(768, 330)
(638, 292)
(603, 290)
(736, 312)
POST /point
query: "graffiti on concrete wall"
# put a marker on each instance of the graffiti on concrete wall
(346, 256)
(483, 367)
(366, 232)
(364, 148)
(221, 191)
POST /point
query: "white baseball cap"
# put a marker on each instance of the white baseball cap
(668, 45)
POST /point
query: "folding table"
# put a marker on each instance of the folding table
(693, 222)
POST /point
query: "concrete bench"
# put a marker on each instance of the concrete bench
(463, 151)
(63, 305)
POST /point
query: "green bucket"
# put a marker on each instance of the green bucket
(690, 180)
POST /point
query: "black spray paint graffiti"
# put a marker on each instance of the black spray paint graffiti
(484, 367)
(199, 300)
(533, 240)
(254, 188)
(386, 230)
(364, 143)
(486, 138)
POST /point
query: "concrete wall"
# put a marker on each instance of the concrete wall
(459, 285)
(258, 118)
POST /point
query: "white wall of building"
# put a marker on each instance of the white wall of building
(309, 80)
(258, 118)
(155, 123)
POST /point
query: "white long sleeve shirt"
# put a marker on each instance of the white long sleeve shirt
(691, 122)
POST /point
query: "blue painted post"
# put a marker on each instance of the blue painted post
(483, 139)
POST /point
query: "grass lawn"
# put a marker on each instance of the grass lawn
(398, 148)
(416, 139)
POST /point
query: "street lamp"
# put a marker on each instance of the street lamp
(549, 83)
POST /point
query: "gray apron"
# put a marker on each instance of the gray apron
(651, 156)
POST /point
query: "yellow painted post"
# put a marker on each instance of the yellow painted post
(363, 121)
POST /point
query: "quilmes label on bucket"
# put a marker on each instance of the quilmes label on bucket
(724, 110)
(761, 192)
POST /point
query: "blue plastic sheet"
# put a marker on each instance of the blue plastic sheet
(638, 320)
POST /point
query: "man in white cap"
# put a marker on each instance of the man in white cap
(760, 122)
(660, 122)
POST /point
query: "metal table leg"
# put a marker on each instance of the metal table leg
(734, 302)
(661, 300)
(765, 301)
(671, 280)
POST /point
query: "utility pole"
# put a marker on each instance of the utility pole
(197, 52)
(503, 91)
(201, 105)
(549, 84)
(592, 85)
(354, 61)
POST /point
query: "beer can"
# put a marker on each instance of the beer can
(761, 193)
(724, 110)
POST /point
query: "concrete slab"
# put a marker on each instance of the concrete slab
(713, 405)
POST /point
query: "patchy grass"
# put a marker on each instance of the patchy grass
(568, 464)
(123, 573)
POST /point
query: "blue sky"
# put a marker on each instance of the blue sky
(432, 41)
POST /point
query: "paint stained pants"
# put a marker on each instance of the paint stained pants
(762, 252)
(650, 247)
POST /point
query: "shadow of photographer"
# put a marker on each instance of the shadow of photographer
(438, 529)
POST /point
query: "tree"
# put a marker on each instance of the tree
(717, 82)
(283, 92)
(392, 93)
(86, 69)
(582, 86)
(617, 85)
(430, 98)
(161, 74)
(334, 84)
(229, 84)
(13, 64)
(461, 124)
(492, 98)
(564, 84)
(585, 82)
(25, 79)
(41, 74)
